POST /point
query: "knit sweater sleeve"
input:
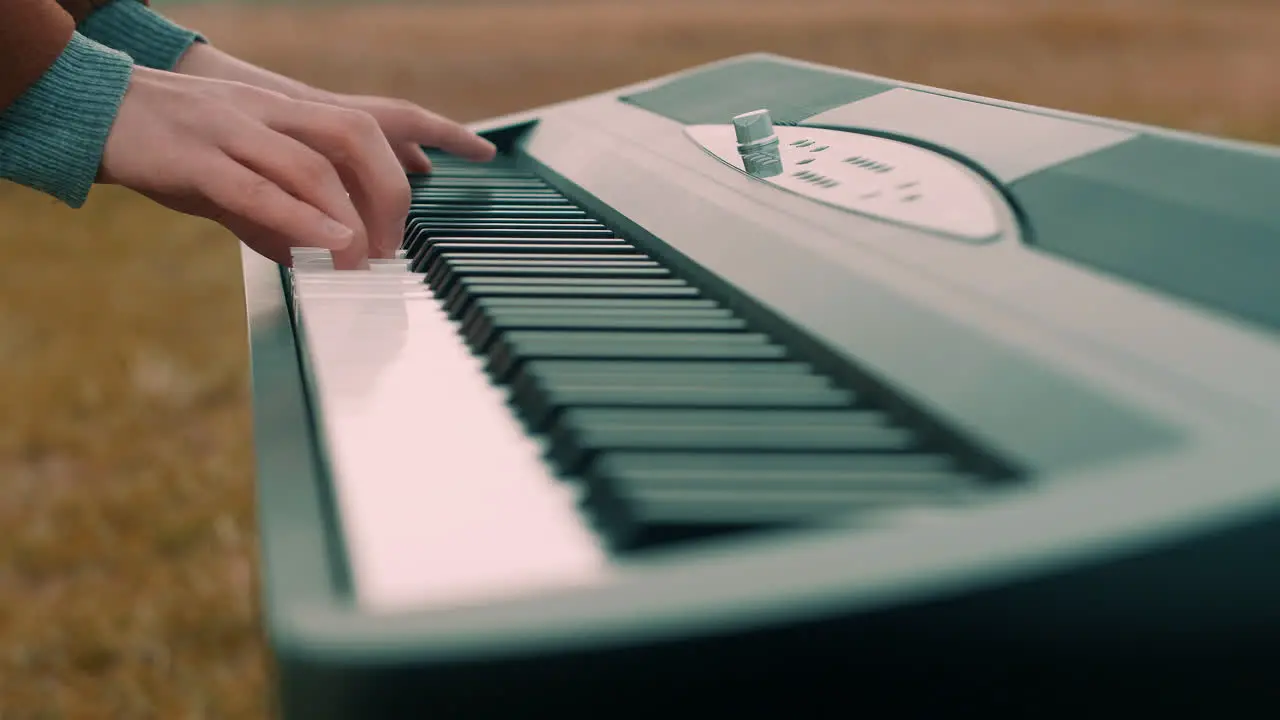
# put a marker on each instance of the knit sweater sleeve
(133, 28)
(53, 135)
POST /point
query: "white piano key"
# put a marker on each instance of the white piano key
(319, 258)
(303, 254)
(443, 497)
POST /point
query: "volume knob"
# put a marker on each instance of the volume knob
(757, 143)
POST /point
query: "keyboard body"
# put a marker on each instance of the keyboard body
(1100, 348)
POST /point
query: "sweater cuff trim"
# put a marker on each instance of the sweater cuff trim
(53, 136)
(151, 39)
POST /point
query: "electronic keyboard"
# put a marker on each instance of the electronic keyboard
(768, 383)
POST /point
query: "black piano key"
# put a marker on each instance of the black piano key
(464, 185)
(579, 433)
(539, 396)
(613, 302)
(481, 306)
(589, 242)
(421, 233)
(425, 236)
(651, 518)
(460, 180)
(441, 172)
(458, 303)
(421, 182)
(533, 259)
(588, 259)
(461, 216)
(444, 178)
(637, 310)
(560, 241)
(414, 224)
(451, 273)
(640, 498)
(916, 472)
(425, 233)
(468, 185)
(513, 348)
(427, 209)
(489, 227)
(430, 250)
(428, 189)
(733, 501)
(480, 313)
(447, 265)
(442, 213)
(445, 175)
(468, 289)
(446, 165)
(421, 187)
(436, 226)
(539, 375)
(482, 199)
(493, 325)
(573, 282)
(695, 368)
(571, 303)
(442, 164)
(426, 193)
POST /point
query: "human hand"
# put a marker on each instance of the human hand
(409, 127)
(406, 126)
(277, 172)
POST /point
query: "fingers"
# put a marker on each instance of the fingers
(272, 246)
(300, 171)
(354, 143)
(405, 121)
(244, 201)
(412, 158)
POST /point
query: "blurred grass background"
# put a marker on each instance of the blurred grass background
(127, 550)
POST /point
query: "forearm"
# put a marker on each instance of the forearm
(53, 134)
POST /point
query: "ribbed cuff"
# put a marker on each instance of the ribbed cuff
(148, 37)
(52, 137)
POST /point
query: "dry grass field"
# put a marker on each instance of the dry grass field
(127, 545)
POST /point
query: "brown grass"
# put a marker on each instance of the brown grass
(127, 562)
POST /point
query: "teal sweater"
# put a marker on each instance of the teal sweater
(52, 137)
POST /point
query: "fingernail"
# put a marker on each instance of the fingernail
(337, 231)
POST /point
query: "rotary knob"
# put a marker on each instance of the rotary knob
(757, 143)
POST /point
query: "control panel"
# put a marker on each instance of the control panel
(866, 174)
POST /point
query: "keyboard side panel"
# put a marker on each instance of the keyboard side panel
(1111, 627)
(302, 553)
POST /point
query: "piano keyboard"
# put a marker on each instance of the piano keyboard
(669, 415)
(665, 403)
